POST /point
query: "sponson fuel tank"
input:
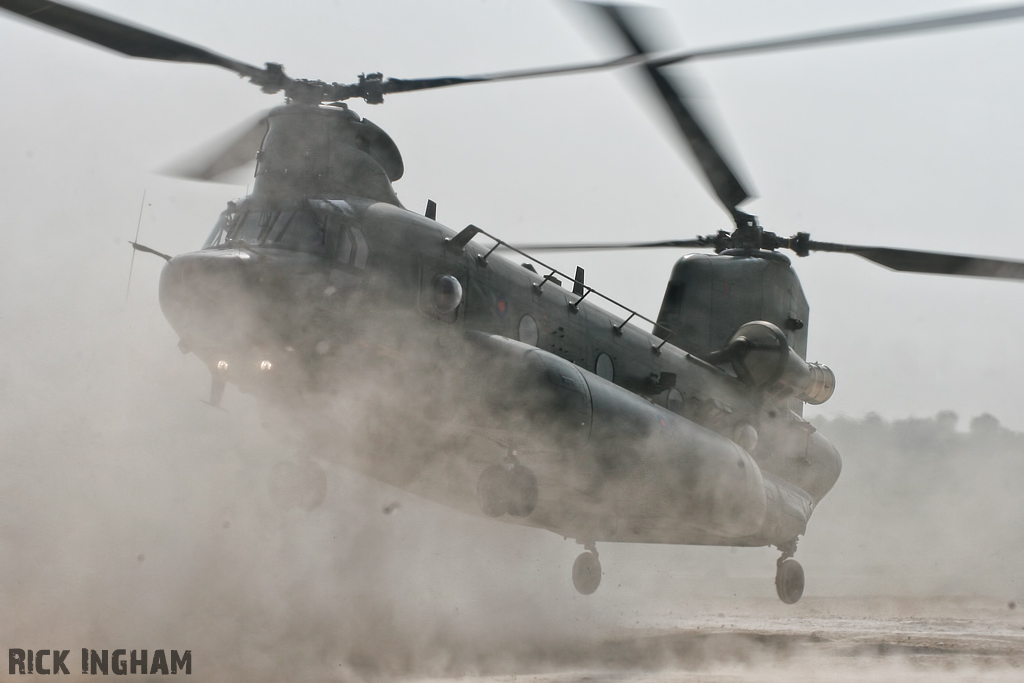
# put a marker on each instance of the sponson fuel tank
(635, 457)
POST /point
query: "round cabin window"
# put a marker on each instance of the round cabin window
(604, 367)
(447, 294)
(528, 331)
(674, 401)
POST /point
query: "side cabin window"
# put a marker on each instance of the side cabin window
(441, 293)
(671, 399)
(351, 249)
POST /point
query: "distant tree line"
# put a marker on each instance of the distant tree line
(919, 434)
(930, 449)
(916, 491)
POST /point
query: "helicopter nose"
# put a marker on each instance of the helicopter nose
(205, 297)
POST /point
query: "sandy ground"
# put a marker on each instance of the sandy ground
(820, 639)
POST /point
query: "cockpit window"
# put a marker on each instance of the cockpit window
(247, 227)
(274, 229)
(297, 230)
(220, 231)
(302, 233)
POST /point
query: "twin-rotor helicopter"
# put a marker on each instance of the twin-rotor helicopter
(424, 357)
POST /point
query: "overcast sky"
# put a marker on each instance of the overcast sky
(909, 142)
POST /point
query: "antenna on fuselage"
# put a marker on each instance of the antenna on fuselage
(138, 226)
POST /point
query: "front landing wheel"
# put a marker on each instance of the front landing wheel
(510, 489)
(492, 491)
(586, 573)
(789, 580)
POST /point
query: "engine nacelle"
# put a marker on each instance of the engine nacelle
(762, 358)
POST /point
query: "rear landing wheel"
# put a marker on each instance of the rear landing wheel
(789, 580)
(586, 573)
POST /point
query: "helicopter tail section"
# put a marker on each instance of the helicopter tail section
(709, 297)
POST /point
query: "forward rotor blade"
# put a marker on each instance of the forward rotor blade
(139, 42)
(121, 37)
(698, 243)
(235, 148)
(397, 85)
(724, 181)
(806, 40)
(913, 261)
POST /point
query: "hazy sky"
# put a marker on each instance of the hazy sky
(911, 142)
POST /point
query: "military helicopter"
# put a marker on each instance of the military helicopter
(533, 404)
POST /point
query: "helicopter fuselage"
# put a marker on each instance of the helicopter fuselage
(630, 438)
(408, 352)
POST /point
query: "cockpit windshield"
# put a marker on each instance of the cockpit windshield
(298, 230)
(220, 230)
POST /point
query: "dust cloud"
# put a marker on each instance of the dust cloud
(134, 516)
(926, 506)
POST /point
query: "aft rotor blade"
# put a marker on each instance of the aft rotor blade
(845, 35)
(683, 244)
(120, 36)
(912, 261)
(727, 186)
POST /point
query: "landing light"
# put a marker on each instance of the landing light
(222, 365)
(266, 365)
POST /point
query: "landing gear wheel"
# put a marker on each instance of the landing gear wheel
(492, 491)
(301, 484)
(586, 573)
(522, 484)
(789, 580)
